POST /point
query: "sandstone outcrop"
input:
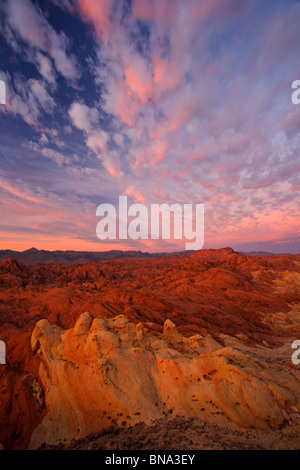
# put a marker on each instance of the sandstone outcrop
(106, 372)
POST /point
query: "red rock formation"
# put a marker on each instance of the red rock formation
(212, 292)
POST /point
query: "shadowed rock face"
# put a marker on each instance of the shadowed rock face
(210, 292)
(104, 372)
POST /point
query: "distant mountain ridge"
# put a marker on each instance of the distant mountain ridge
(34, 256)
(262, 253)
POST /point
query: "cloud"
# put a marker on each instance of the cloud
(83, 117)
(41, 95)
(99, 14)
(27, 98)
(16, 192)
(55, 156)
(87, 120)
(46, 68)
(26, 22)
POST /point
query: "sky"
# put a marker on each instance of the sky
(164, 101)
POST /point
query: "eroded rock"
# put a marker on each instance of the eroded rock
(104, 372)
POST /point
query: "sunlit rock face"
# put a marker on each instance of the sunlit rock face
(111, 371)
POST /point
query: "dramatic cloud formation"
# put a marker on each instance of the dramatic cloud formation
(161, 100)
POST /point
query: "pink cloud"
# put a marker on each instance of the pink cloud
(98, 13)
(16, 192)
(139, 81)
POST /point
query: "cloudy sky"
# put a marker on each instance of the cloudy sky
(161, 100)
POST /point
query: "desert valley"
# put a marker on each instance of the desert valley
(191, 351)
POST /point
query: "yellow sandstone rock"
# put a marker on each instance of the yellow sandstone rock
(111, 371)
